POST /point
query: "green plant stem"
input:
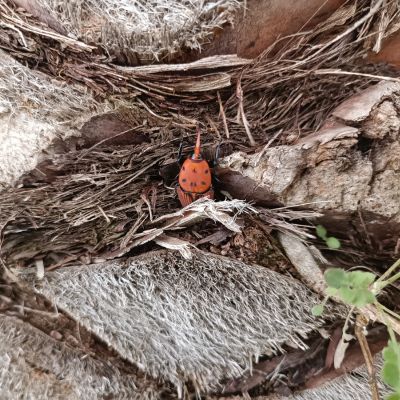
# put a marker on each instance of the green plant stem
(380, 308)
(389, 281)
(389, 271)
(389, 311)
(326, 298)
(346, 322)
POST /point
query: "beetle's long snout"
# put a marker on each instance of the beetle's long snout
(197, 154)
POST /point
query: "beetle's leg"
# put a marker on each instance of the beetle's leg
(216, 181)
(216, 156)
(180, 157)
(214, 164)
(217, 151)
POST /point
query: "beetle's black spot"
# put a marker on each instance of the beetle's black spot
(183, 168)
(203, 183)
(194, 170)
(184, 180)
(206, 171)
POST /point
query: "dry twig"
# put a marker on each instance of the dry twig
(361, 323)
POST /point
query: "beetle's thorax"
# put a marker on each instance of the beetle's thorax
(195, 176)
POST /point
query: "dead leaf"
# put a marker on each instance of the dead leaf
(341, 349)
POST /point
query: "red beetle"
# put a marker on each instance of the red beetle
(195, 180)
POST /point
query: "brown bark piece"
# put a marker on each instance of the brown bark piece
(263, 22)
(304, 173)
(390, 52)
(342, 170)
(357, 108)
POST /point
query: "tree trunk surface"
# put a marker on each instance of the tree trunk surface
(109, 288)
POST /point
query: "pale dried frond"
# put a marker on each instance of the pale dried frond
(143, 30)
(352, 386)
(36, 366)
(25, 91)
(200, 320)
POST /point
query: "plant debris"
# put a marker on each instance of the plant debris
(107, 201)
(292, 87)
(100, 198)
(102, 203)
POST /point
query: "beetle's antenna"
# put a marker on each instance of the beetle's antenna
(197, 154)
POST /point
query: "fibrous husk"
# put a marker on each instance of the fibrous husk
(292, 88)
(36, 366)
(115, 212)
(278, 94)
(201, 320)
(34, 110)
(101, 196)
(144, 31)
(43, 98)
(352, 386)
(97, 204)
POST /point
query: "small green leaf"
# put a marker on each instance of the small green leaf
(390, 353)
(393, 396)
(391, 365)
(356, 297)
(362, 297)
(360, 279)
(317, 310)
(391, 374)
(335, 277)
(330, 291)
(332, 243)
(321, 232)
(347, 295)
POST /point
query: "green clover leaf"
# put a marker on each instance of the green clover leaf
(332, 243)
(321, 232)
(361, 278)
(394, 396)
(317, 310)
(351, 287)
(391, 366)
(335, 277)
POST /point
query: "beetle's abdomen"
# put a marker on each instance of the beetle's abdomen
(187, 198)
(195, 176)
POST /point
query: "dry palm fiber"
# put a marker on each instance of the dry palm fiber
(103, 202)
(98, 199)
(183, 320)
(268, 81)
(73, 60)
(99, 204)
(25, 351)
(34, 110)
(291, 88)
(296, 82)
(143, 31)
(352, 386)
(36, 366)
(25, 90)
